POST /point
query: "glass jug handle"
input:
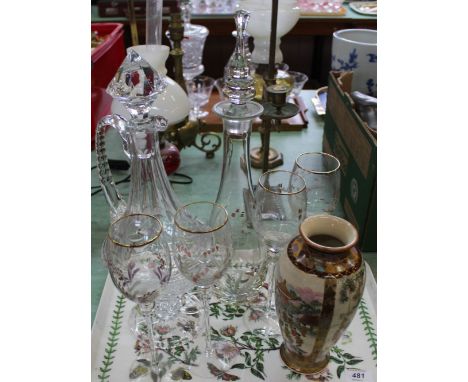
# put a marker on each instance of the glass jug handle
(113, 197)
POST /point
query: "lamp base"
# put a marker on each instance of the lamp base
(275, 158)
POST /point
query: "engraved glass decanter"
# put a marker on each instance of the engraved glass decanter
(136, 85)
(192, 44)
(244, 276)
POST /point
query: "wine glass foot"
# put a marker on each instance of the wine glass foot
(214, 364)
(253, 296)
(257, 320)
(191, 305)
(269, 326)
(182, 324)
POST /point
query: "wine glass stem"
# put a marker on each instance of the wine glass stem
(271, 285)
(146, 311)
(206, 308)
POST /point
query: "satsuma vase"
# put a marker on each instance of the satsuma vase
(319, 283)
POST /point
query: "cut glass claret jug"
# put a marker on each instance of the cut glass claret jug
(192, 44)
(135, 86)
(243, 277)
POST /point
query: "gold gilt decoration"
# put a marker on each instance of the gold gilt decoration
(321, 264)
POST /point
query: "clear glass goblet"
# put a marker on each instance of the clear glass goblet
(204, 247)
(321, 172)
(139, 264)
(299, 81)
(280, 207)
(199, 91)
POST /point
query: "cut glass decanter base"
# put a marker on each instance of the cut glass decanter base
(190, 73)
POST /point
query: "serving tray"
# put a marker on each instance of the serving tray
(116, 351)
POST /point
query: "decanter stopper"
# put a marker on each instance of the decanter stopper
(239, 85)
(247, 53)
(136, 85)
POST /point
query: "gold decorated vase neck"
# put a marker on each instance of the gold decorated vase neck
(326, 247)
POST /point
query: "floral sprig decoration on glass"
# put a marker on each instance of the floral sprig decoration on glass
(139, 264)
(202, 237)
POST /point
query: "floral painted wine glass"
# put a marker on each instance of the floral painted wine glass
(204, 247)
(280, 207)
(139, 264)
(321, 172)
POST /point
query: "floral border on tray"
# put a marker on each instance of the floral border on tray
(249, 344)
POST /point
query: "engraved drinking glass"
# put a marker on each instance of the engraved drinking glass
(199, 91)
(203, 240)
(280, 206)
(321, 171)
(299, 81)
(139, 264)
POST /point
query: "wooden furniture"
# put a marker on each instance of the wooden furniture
(306, 48)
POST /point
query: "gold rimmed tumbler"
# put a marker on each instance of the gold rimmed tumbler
(139, 264)
(321, 171)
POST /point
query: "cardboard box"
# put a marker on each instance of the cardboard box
(348, 138)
